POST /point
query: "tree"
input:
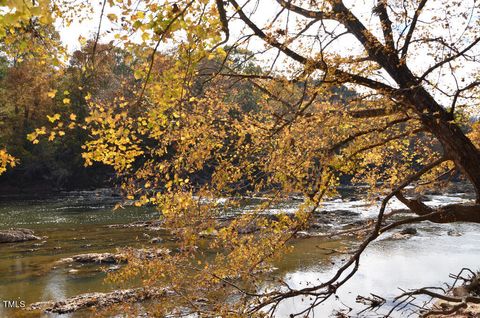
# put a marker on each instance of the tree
(25, 34)
(39, 88)
(407, 123)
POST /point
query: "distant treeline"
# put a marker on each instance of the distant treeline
(36, 91)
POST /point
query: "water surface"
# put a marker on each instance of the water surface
(77, 222)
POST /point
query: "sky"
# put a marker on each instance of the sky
(266, 9)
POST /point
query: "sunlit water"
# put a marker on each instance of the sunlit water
(76, 222)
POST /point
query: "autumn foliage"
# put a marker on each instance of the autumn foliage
(164, 103)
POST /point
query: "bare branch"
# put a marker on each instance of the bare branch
(317, 15)
(408, 38)
(97, 37)
(458, 92)
(449, 59)
(160, 39)
(339, 75)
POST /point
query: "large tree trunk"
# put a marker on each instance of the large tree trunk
(434, 117)
(457, 146)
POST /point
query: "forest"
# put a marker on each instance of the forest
(188, 158)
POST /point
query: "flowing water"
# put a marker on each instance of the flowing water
(77, 222)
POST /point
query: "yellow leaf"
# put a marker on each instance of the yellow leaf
(66, 100)
(53, 118)
(73, 117)
(52, 136)
(112, 17)
(32, 136)
(138, 74)
(52, 94)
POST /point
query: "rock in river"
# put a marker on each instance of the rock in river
(98, 300)
(116, 258)
(409, 231)
(405, 233)
(17, 235)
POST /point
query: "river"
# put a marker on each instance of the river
(77, 222)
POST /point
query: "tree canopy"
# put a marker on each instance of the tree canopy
(190, 101)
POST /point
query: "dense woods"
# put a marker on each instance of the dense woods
(183, 102)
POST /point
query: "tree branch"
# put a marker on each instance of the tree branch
(340, 76)
(386, 24)
(160, 39)
(350, 138)
(97, 37)
(223, 19)
(449, 59)
(317, 15)
(408, 38)
(457, 94)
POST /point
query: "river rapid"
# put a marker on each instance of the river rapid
(78, 222)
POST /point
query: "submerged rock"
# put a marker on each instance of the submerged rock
(409, 231)
(98, 300)
(153, 225)
(112, 268)
(39, 244)
(303, 235)
(17, 235)
(454, 233)
(404, 234)
(156, 240)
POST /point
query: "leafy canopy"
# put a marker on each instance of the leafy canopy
(180, 132)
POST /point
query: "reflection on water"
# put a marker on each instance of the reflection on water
(55, 287)
(71, 223)
(75, 223)
(424, 260)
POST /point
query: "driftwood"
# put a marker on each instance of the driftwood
(454, 301)
(98, 300)
(17, 235)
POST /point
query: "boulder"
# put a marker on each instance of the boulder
(116, 258)
(99, 258)
(17, 235)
